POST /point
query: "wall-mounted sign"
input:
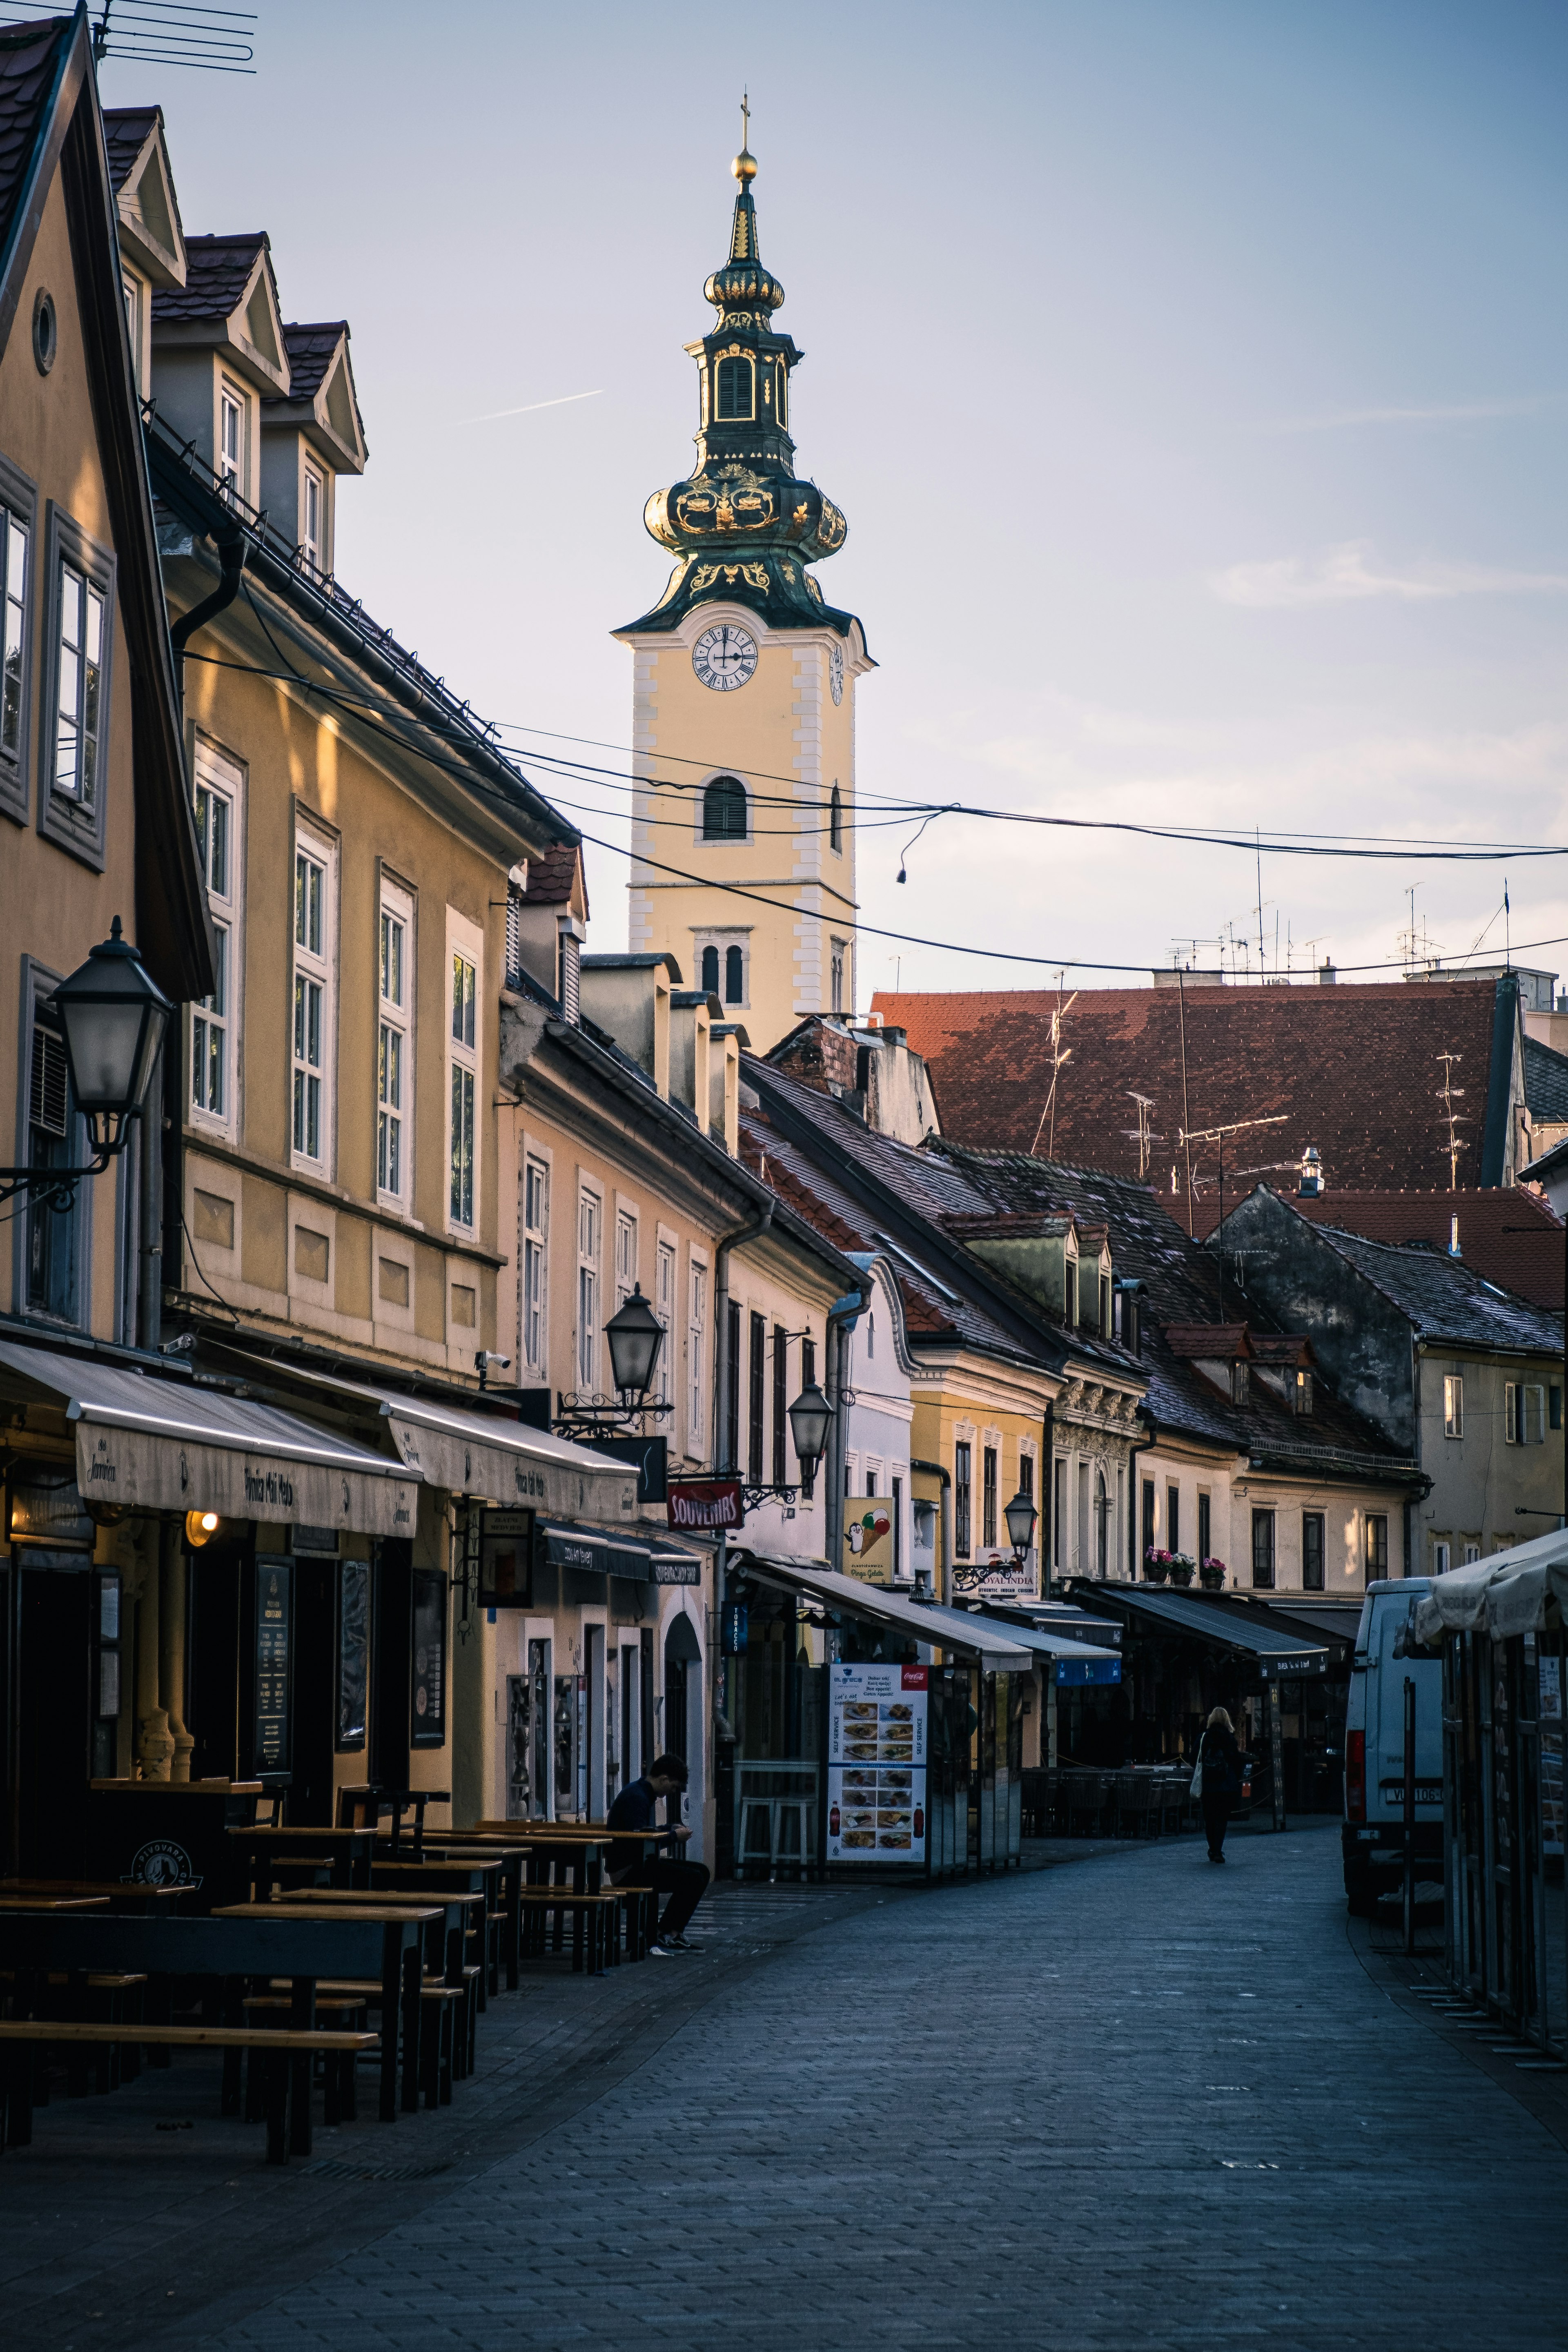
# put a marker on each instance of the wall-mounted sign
(506, 1559)
(868, 1553)
(648, 1456)
(274, 1594)
(706, 1502)
(47, 1506)
(677, 1568)
(428, 1725)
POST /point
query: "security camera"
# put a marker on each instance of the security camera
(487, 1360)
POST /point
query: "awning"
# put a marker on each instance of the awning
(1513, 1592)
(593, 1551)
(672, 1566)
(496, 1461)
(1277, 1654)
(1054, 1617)
(1067, 1660)
(151, 1444)
(973, 1636)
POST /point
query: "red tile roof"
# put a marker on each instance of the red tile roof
(1506, 1235)
(1352, 1069)
(1208, 1342)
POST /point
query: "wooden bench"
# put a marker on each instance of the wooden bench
(593, 1918)
(338, 2077)
(281, 2045)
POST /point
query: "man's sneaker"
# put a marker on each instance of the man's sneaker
(681, 1944)
(661, 1951)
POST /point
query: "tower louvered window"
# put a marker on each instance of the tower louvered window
(736, 390)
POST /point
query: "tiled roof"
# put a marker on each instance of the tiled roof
(126, 130)
(1207, 1343)
(552, 875)
(1353, 1069)
(1445, 1299)
(217, 270)
(310, 350)
(1546, 1080)
(1505, 1232)
(30, 61)
(1182, 1290)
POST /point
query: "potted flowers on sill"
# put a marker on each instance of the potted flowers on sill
(1183, 1568)
(1156, 1565)
(1211, 1574)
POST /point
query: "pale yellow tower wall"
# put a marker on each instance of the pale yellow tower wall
(789, 743)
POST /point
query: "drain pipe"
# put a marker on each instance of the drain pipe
(841, 1319)
(231, 552)
(944, 1478)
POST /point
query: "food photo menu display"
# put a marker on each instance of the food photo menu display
(876, 1763)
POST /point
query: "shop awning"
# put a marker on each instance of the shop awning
(673, 1566)
(996, 1651)
(1054, 1617)
(1510, 1594)
(1277, 1654)
(593, 1551)
(498, 1461)
(1068, 1661)
(151, 1444)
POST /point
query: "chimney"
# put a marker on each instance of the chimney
(1454, 1249)
(691, 1015)
(1312, 1183)
(1326, 975)
(725, 1042)
(627, 996)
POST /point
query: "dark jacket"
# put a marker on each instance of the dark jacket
(1222, 1765)
(634, 1809)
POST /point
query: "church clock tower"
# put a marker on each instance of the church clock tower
(743, 694)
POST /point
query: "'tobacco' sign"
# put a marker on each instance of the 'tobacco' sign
(706, 1502)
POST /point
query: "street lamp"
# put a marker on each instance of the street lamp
(810, 1416)
(1020, 1516)
(636, 1335)
(112, 1017)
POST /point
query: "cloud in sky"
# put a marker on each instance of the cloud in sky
(1346, 574)
(1462, 412)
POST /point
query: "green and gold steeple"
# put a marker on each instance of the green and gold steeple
(743, 529)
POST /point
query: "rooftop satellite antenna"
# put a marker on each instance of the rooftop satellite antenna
(163, 33)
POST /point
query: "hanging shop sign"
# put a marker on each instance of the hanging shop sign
(506, 1559)
(876, 1763)
(868, 1552)
(710, 1504)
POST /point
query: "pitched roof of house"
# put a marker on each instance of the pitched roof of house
(1353, 1069)
(218, 273)
(552, 875)
(1546, 1080)
(1506, 1234)
(1443, 1298)
(1188, 1310)
(126, 130)
(32, 58)
(309, 348)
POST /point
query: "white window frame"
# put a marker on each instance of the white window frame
(130, 286)
(666, 1279)
(590, 1276)
(229, 463)
(533, 1264)
(462, 1093)
(219, 787)
(626, 1275)
(1453, 1405)
(1442, 1556)
(721, 942)
(395, 999)
(314, 967)
(696, 1359)
(313, 541)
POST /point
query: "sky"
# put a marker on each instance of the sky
(1191, 373)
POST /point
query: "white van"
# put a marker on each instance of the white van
(1386, 1657)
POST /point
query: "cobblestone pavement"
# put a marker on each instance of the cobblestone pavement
(1137, 2102)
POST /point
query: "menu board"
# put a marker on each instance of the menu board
(876, 1763)
(270, 1749)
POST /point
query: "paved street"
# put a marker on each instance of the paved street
(1135, 2101)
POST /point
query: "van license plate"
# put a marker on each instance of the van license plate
(1427, 1793)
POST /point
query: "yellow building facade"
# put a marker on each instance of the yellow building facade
(743, 691)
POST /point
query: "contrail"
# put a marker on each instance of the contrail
(497, 414)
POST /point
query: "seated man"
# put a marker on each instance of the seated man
(683, 1882)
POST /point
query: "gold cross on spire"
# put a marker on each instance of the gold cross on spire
(745, 118)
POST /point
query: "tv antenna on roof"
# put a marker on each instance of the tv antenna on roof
(167, 32)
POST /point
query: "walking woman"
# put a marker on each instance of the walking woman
(1221, 1783)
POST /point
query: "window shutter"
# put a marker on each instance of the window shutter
(50, 1087)
(513, 936)
(1510, 1412)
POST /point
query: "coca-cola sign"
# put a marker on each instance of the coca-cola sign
(706, 1502)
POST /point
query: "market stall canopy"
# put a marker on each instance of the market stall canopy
(1277, 1654)
(503, 1462)
(1512, 1593)
(148, 1444)
(995, 1650)
(1068, 1661)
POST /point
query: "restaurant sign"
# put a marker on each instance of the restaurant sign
(154, 1470)
(876, 1763)
(709, 1504)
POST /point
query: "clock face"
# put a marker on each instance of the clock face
(836, 671)
(724, 656)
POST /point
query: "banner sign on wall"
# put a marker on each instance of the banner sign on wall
(711, 1502)
(876, 1763)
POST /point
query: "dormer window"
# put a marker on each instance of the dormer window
(312, 519)
(1301, 1393)
(737, 389)
(231, 439)
(1240, 1382)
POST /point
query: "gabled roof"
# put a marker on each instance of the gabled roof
(322, 399)
(229, 298)
(49, 117)
(1443, 1298)
(555, 878)
(218, 274)
(1507, 1233)
(1546, 1080)
(1208, 1342)
(148, 209)
(1353, 1069)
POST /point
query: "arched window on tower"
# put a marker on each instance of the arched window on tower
(737, 389)
(724, 810)
(734, 977)
(836, 820)
(710, 970)
(780, 395)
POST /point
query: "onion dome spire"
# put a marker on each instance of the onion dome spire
(742, 527)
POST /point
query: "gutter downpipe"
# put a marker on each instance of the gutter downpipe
(945, 1480)
(231, 551)
(844, 1314)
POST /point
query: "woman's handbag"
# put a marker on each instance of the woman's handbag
(1195, 1785)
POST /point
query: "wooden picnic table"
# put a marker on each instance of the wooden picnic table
(480, 1876)
(251, 1940)
(509, 1856)
(347, 1851)
(133, 1894)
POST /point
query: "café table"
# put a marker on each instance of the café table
(54, 1902)
(346, 1852)
(478, 1877)
(509, 1857)
(132, 1895)
(400, 1986)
